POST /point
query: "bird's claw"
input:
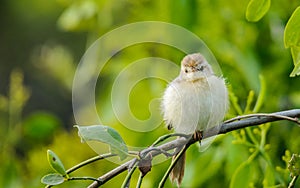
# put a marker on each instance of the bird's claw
(198, 135)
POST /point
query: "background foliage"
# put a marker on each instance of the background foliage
(42, 42)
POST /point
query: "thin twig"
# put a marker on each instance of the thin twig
(253, 121)
(134, 153)
(139, 183)
(293, 182)
(167, 146)
(86, 162)
(157, 149)
(295, 120)
(167, 173)
(164, 137)
(91, 160)
(128, 177)
(106, 177)
(221, 129)
(84, 178)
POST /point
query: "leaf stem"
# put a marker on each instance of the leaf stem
(292, 183)
(252, 137)
(238, 118)
(164, 137)
(139, 183)
(261, 95)
(241, 166)
(128, 177)
(249, 102)
(165, 177)
(88, 161)
(85, 178)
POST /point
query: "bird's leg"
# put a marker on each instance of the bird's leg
(198, 135)
(170, 127)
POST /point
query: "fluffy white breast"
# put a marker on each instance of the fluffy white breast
(190, 106)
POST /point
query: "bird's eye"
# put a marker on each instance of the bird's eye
(185, 70)
(201, 68)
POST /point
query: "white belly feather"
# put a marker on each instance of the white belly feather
(198, 105)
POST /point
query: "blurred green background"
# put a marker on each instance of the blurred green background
(41, 43)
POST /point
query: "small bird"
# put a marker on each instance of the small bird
(194, 101)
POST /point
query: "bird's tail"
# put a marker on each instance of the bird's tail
(177, 172)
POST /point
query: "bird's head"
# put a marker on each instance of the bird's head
(195, 67)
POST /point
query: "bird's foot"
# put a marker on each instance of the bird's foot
(198, 135)
(170, 127)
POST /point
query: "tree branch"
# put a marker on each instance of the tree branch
(225, 127)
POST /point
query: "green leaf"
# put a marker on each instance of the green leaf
(292, 31)
(295, 50)
(106, 135)
(292, 39)
(256, 9)
(56, 163)
(53, 179)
